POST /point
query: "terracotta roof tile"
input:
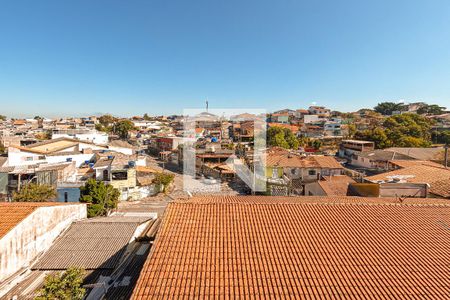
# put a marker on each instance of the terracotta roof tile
(436, 176)
(282, 158)
(336, 185)
(13, 213)
(304, 248)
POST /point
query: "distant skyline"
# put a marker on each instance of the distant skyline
(127, 58)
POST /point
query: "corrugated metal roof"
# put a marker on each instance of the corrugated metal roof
(91, 244)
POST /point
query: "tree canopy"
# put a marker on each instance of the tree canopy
(101, 197)
(122, 128)
(63, 286)
(32, 192)
(387, 108)
(282, 137)
(432, 109)
(405, 130)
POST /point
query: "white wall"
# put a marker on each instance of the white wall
(34, 235)
(310, 119)
(95, 137)
(79, 159)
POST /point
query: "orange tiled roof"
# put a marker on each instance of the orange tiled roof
(277, 157)
(336, 185)
(12, 214)
(436, 176)
(303, 248)
(293, 128)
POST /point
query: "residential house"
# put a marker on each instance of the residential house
(287, 172)
(348, 147)
(28, 229)
(319, 110)
(435, 175)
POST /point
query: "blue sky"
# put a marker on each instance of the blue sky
(161, 56)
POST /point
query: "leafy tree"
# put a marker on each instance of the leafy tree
(282, 137)
(2, 118)
(122, 128)
(316, 144)
(431, 109)
(387, 108)
(32, 192)
(147, 117)
(351, 130)
(63, 286)
(106, 120)
(441, 137)
(376, 135)
(405, 130)
(164, 179)
(2, 148)
(38, 118)
(101, 197)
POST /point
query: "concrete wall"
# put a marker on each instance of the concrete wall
(34, 235)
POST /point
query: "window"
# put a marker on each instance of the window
(66, 197)
(293, 171)
(312, 172)
(105, 175)
(119, 175)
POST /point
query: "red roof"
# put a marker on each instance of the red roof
(303, 248)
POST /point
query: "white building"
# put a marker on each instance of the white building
(93, 136)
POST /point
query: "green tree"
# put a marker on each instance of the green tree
(282, 137)
(2, 148)
(65, 285)
(100, 197)
(147, 117)
(387, 108)
(164, 179)
(2, 118)
(122, 128)
(106, 120)
(32, 192)
(431, 109)
(351, 130)
(316, 144)
(405, 130)
(376, 135)
(441, 137)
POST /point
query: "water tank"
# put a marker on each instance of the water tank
(69, 159)
(91, 165)
(132, 164)
(110, 157)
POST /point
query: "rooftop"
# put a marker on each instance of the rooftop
(437, 177)
(13, 213)
(336, 185)
(306, 247)
(277, 157)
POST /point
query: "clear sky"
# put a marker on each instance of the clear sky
(161, 56)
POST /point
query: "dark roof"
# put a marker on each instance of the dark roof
(383, 155)
(90, 244)
(304, 248)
